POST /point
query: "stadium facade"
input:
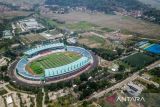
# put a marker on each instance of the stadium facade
(56, 73)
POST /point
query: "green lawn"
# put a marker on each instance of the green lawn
(138, 60)
(97, 39)
(52, 61)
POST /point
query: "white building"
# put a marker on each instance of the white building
(114, 67)
(7, 34)
(134, 89)
(29, 24)
(9, 100)
(72, 40)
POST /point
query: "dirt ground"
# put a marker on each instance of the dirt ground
(92, 40)
(117, 36)
(11, 14)
(111, 21)
(30, 38)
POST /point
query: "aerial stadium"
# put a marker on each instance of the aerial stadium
(53, 62)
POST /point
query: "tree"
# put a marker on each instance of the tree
(121, 68)
(118, 76)
(84, 77)
(39, 98)
(4, 68)
(85, 104)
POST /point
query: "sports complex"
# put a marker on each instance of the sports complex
(153, 48)
(53, 62)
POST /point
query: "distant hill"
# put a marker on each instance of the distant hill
(22, 1)
(153, 3)
(100, 5)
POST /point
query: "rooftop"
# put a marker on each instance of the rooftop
(9, 100)
(37, 49)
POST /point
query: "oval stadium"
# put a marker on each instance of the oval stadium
(53, 63)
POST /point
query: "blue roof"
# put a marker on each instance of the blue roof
(67, 68)
(34, 50)
(155, 48)
(22, 71)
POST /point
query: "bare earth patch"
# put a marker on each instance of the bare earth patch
(111, 21)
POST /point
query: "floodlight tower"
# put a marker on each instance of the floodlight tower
(65, 43)
(42, 79)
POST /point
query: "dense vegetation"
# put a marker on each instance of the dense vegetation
(39, 98)
(4, 26)
(153, 15)
(155, 72)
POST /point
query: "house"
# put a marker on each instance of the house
(114, 67)
(7, 34)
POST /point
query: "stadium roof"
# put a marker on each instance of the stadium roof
(34, 50)
(66, 68)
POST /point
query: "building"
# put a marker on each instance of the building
(29, 25)
(114, 67)
(51, 36)
(72, 40)
(9, 100)
(133, 89)
(7, 34)
(4, 61)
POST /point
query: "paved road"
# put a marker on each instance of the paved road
(152, 66)
(2, 85)
(118, 85)
(43, 101)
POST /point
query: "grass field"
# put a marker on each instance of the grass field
(52, 61)
(138, 60)
(12, 14)
(94, 41)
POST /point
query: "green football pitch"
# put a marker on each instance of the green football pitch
(52, 61)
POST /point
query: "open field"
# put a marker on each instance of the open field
(32, 38)
(111, 21)
(78, 26)
(12, 14)
(138, 60)
(53, 32)
(93, 41)
(52, 61)
(82, 25)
